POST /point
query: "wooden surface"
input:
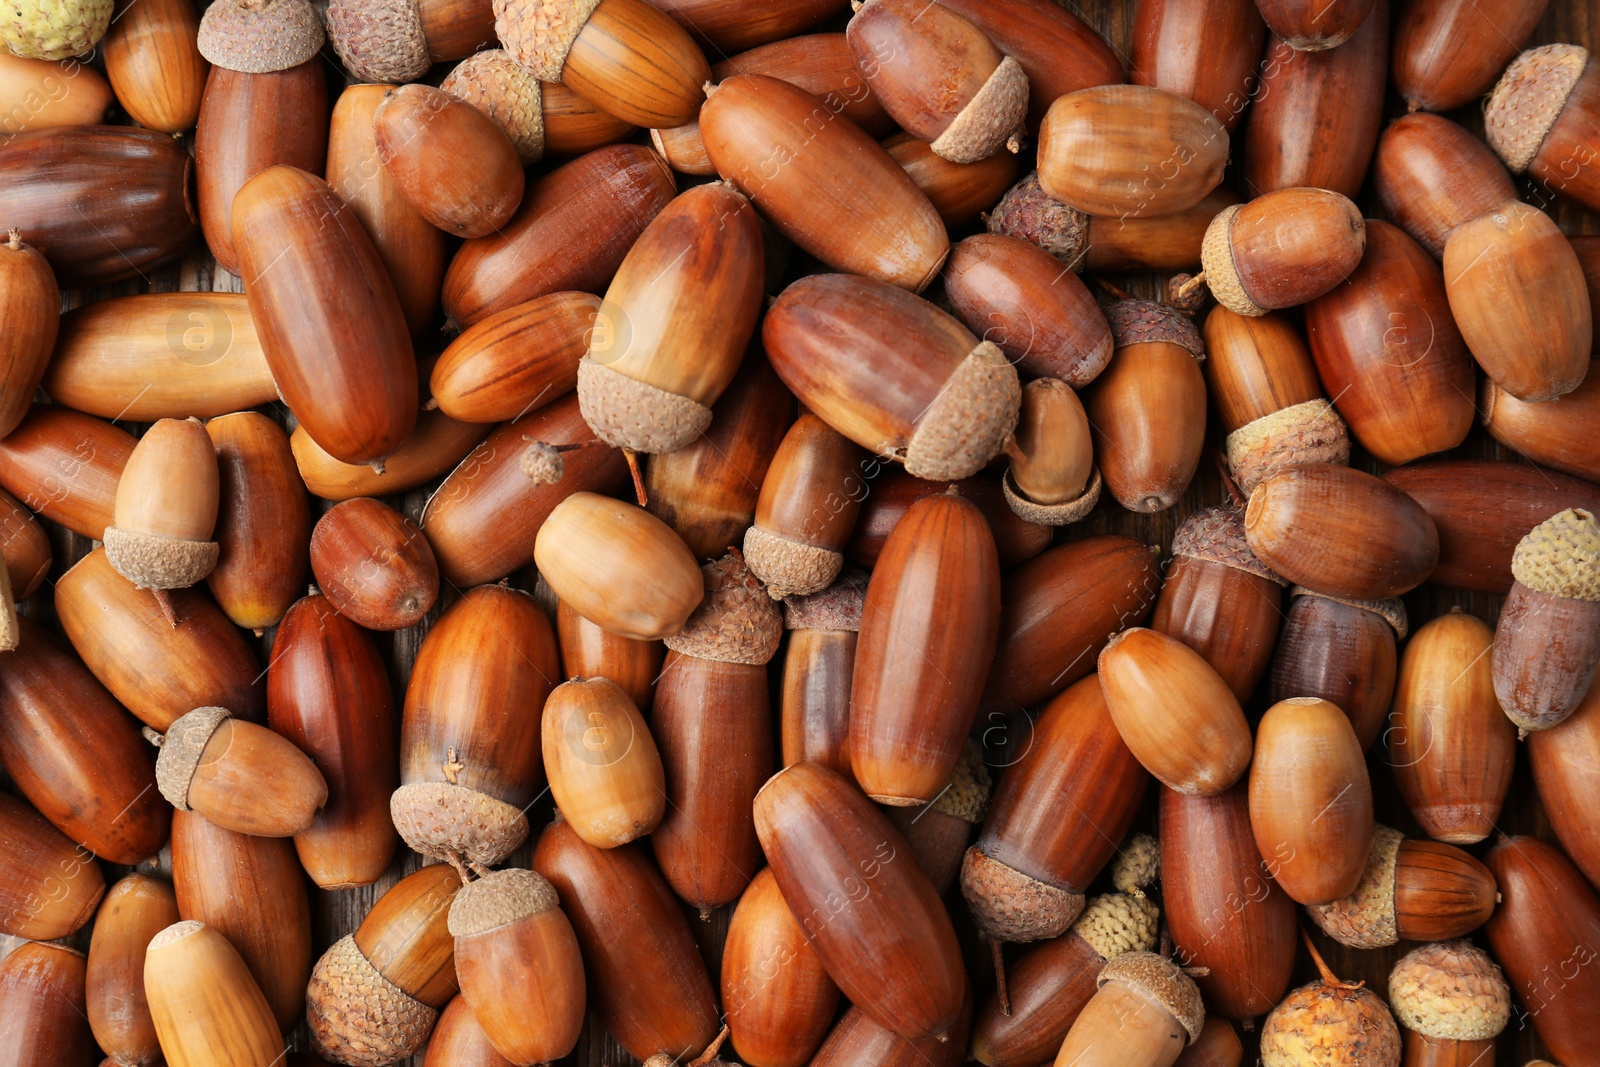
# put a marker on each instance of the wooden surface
(338, 913)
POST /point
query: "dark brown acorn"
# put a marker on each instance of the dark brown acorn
(959, 192)
(374, 565)
(894, 490)
(1342, 651)
(1447, 54)
(940, 831)
(1411, 890)
(49, 887)
(263, 521)
(858, 1038)
(1207, 52)
(1310, 26)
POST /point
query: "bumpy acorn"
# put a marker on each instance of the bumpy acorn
(55, 29)
(166, 509)
(538, 118)
(1330, 1023)
(398, 40)
(807, 509)
(1145, 1007)
(1451, 1000)
(241, 776)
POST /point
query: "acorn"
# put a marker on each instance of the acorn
(1432, 175)
(1542, 927)
(1058, 612)
(66, 466)
(940, 77)
(1315, 115)
(822, 837)
(251, 890)
(1547, 434)
(1311, 800)
(778, 997)
(1053, 821)
(558, 240)
(625, 55)
(831, 177)
(858, 1038)
(42, 1006)
(1547, 642)
(647, 981)
(1564, 772)
(1342, 651)
(1147, 461)
(397, 40)
(470, 760)
(1409, 891)
(806, 509)
(412, 248)
(1017, 296)
(725, 26)
(205, 1005)
(136, 909)
(1144, 1006)
(1446, 55)
(40, 88)
(538, 118)
(263, 521)
(49, 887)
(375, 994)
(459, 1041)
(589, 651)
(1052, 480)
(894, 490)
(1282, 249)
(1220, 600)
(1451, 748)
(518, 963)
(818, 670)
(452, 163)
(515, 361)
(1227, 916)
(1296, 522)
(604, 768)
(1310, 27)
(374, 565)
(24, 546)
(31, 305)
(1097, 146)
(253, 782)
(1266, 391)
(1330, 1023)
(1169, 40)
(328, 693)
(155, 65)
(959, 192)
(57, 31)
(153, 668)
(265, 104)
(1217, 1046)
(1451, 1000)
(436, 445)
(940, 831)
(1540, 116)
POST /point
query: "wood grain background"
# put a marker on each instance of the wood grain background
(338, 913)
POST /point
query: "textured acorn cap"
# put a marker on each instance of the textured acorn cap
(737, 622)
(1450, 989)
(991, 118)
(9, 635)
(501, 88)
(1068, 511)
(1163, 982)
(181, 748)
(176, 932)
(1528, 99)
(1216, 535)
(1365, 918)
(379, 40)
(789, 567)
(1321, 1025)
(1007, 905)
(150, 561)
(54, 29)
(1138, 322)
(448, 821)
(967, 795)
(1561, 556)
(260, 36)
(359, 1017)
(627, 413)
(1392, 611)
(1114, 923)
(1138, 864)
(1309, 432)
(1028, 212)
(539, 33)
(499, 898)
(1216, 259)
(542, 463)
(968, 422)
(837, 607)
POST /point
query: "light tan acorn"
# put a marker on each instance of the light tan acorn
(603, 766)
(1052, 479)
(1330, 1023)
(206, 1006)
(1451, 1001)
(1144, 1007)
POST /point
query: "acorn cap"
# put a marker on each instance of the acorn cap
(1365, 918)
(359, 1017)
(1322, 1025)
(1216, 259)
(789, 567)
(1451, 990)
(448, 821)
(9, 635)
(260, 36)
(379, 40)
(150, 561)
(837, 607)
(1114, 923)
(967, 795)
(1007, 905)
(1216, 535)
(1138, 322)
(968, 422)
(737, 622)
(1310, 432)
(499, 898)
(54, 29)
(539, 33)
(1163, 982)
(1528, 99)
(1392, 611)
(989, 120)
(181, 748)
(498, 86)
(542, 463)
(1068, 511)
(1028, 212)
(629, 414)
(1561, 556)
(1138, 865)
(167, 935)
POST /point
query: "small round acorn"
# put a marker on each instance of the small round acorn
(54, 29)
(1330, 1023)
(1450, 997)
(241, 776)
(260, 36)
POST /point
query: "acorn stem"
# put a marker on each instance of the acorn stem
(1188, 288)
(377, 467)
(638, 476)
(164, 602)
(1234, 492)
(152, 736)
(14, 240)
(454, 859)
(997, 953)
(711, 1050)
(1328, 977)
(432, 404)
(1116, 291)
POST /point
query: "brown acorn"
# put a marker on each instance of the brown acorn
(265, 104)
(1217, 1046)
(252, 891)
(1097, 146)
(42, 1006)
(241, 776)
(136, 909)
(263, 521)
(154, 64)
(166, 509)
(1432, 175)
(894, 490)
(1451, 1000)
(1315, 115)
(1540, 117)
(1547, 642)
(1410, 891)
(1145, 1004)
(328, 693)
(940, 77)
(1170, 39)
(206, 1006)
(647, 981)
(1314, 27)
(397, 40)
(1547, 434)
(1330, 1021)
(826, 185)
(24, 546)
(818, 670)
(1282, 249)
(858, 1038)
(727, 26)
(1342, 651)
(469, 749)
(1220, 600)
(436, 445)
(49, 93)
(538, 118)
(458, 1040)
(1310, 800)
(806, 510)
(375, 994)
(49, 887)
(940, 831)
(32, 309)
(518, 963)
(959, 192)
(589, 651)
(603, 765)
(374, 565)
(66, 466)
(452, 163)
(1451, 747)
(1052, 480)
(515, 361)
(1148, 460)
(1568, 780)
(1446, 55)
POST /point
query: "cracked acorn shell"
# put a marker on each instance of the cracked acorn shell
(241, 776)
(1452, 1001)
(1145, 1006)
(1284, 248)
(135, 909)
(166, 510)
(1415, 890)
(205, 1005)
